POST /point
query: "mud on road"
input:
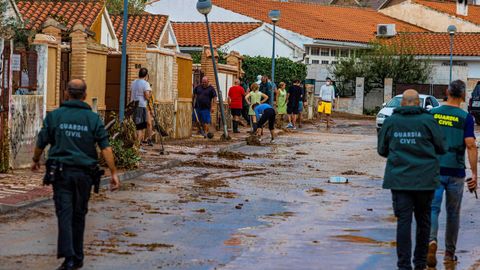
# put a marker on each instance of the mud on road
(244, 207)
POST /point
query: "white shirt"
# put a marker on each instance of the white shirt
(139, 87)
(327, 93)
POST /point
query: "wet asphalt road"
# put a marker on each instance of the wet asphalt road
(271, 208)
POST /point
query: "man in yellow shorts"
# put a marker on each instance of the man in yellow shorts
(326, 101)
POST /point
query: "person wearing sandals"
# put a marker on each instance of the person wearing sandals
(281, 100)
(254, 96)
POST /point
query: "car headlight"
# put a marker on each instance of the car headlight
(381, 115)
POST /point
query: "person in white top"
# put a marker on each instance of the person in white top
(326, 101)
(140, 93)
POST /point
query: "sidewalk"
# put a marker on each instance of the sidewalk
(23, 188)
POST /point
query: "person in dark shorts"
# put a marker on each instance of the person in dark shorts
(265, 113)
(141, 92)
(204, 98)
(294, 96)
(236, 95)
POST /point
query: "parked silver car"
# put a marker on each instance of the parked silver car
(428, 102)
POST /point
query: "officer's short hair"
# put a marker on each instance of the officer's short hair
(457, 89)
(76, 90)
(142, 73)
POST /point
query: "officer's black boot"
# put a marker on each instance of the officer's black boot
(68, 264)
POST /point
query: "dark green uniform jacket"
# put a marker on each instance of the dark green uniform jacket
(73, 131)
(452, 122)
(412, 141)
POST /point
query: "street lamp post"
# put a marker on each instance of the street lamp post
(451, 31)
(275, 17)
(123, 69)
(204, 7)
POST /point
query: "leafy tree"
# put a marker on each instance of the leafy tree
(286, 70)
(382, 60)
(134, 6)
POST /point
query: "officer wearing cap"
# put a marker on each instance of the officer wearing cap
(73, 131)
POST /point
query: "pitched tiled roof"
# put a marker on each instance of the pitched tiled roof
(141, 28)
(36, 12)
(451, 8)
(438, 44)
(319, 21)
(195, 34)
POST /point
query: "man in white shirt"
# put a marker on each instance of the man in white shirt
(326, 101)
(141, 92)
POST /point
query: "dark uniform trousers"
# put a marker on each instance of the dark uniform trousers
(71, 192)
(418, 204)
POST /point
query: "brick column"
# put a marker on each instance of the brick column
(236, 59)
(137, 58)
(53, 28)
(79, 52)
(207, 68)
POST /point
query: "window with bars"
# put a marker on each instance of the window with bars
(314, 51)
(333, 52)
(315, 62)
(324, 62)
(325, 52)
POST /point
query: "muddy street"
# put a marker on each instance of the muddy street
(241, 207)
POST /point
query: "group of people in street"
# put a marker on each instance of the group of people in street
(288, 104)
(425, 153)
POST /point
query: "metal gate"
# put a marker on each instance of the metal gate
(436, 90)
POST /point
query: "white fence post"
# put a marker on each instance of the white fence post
(359, 95)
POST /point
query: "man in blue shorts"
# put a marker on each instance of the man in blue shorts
(204, 98)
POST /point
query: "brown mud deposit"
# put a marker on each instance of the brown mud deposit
(362, 240)
(230, 155)
(211, 183)
(352, 172)
(283, 214)
(234, 241)
(253, 140)
(206, 164)
(152, 246)
(316, 190)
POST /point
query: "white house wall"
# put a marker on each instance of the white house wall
(260, 44)
(319, 72)
(186, 11)
(428, 18)
(107, 38)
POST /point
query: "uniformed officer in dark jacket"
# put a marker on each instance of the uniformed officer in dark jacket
(73, 131)
(412, 142)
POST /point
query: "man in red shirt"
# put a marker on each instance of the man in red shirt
(236, 94)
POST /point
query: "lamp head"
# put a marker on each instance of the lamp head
(452, 29)
(204, 6)
(274, 15)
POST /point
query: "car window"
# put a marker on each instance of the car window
(428, 102)
(394, 102)
(435, 102)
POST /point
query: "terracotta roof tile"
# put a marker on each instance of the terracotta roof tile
(141, 28)
(319, 21)
(195, 34)
(438, 44)
(451, 8)
(36, 12)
